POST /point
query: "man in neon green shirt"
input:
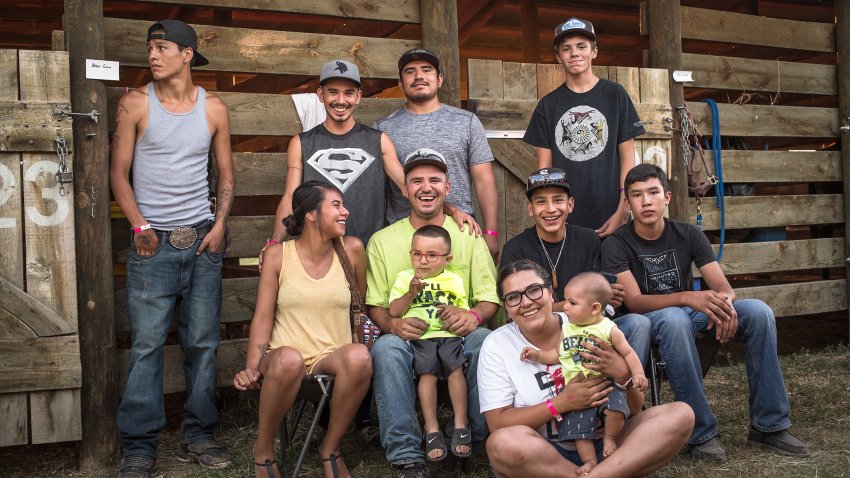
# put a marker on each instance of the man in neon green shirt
(426, 181)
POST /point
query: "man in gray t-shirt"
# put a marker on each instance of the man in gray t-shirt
(457, 134)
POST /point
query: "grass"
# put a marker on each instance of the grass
(818, 385)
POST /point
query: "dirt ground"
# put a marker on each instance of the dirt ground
(815, 367)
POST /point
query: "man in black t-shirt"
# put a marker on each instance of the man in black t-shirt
(586, 127)
(565, 250)
(652, 258)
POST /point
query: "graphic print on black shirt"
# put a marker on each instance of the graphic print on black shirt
(581, 133)
(341, 166)
(661, 273)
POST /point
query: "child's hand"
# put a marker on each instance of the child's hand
(416, 286)
(640, 382)
(529, 354)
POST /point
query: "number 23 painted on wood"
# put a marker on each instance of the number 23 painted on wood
(7, 188)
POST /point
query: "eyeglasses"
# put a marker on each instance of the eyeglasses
(533, 292)
(429, 256)
(545, 177)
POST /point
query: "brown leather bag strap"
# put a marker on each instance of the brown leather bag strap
(348, 269)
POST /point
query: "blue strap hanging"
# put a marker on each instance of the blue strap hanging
(720, 198)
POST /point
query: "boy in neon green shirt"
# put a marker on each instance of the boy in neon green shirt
(425, 292)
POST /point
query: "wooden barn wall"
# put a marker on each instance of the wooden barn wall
(784, 241)
(239, 51)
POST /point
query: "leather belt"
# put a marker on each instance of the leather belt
(183, 237)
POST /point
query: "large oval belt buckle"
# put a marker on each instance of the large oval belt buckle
(183, 237)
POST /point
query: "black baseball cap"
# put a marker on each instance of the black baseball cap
(181, 34)
(425, 156)
(418, 54)
(546, 178)
(575, 25)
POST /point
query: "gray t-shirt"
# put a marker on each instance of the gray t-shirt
(457, 134)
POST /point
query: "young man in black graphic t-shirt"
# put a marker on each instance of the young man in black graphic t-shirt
(652, 258)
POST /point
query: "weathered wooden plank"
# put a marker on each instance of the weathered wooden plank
(9, 75)
(629, 79)
(788, 300)
(12, 328)
(516, 212)
(31, 313)
(501, 175)
(44, 76)
(771, 76)
(770, 211)
(48, 363)
(751, 258)
(520, 80)
(778, 166)
(515, 115)
(229, 360)
(238, 298)
(714, 25)
(760, 120)
(55, 416)
(516, 156)
(31, 126)
(274, 115)
(549, 77)
(654, 88)
(11, 225)
(49, 234)
(264, 51)
(485, 79)
(406, 11)
(259, 174)
(13, 419)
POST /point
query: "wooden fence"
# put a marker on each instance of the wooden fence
(797, 192)
(39, 346)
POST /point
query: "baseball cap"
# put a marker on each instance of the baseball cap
(545, 178)
(340, 69)
(418, 54)
(425, 156)
(574, 25)
(181, 34)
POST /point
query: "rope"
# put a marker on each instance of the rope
(720, 197)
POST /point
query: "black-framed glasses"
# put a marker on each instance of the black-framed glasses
(429, 256)
(533, 292)
(545, 177)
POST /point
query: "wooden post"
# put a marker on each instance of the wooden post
(439, 35)
(530, 31)
(664, 20)
(83, 24)
(842, 36)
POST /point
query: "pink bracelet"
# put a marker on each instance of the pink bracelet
(553, 411)
(270, 241)
(477, 317)
(490, 233)
(143, 227)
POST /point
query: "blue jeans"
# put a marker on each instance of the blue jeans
(674, 329)
(395, 396)
(153, 285)
(638, 331)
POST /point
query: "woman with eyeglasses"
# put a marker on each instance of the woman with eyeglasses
(522, 401)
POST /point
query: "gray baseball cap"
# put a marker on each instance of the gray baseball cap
(340, 69)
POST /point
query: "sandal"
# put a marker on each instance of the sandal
(269, 466)
(435, 441)
(334, 470)
(461, 437)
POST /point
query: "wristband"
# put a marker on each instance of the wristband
(624, 386)
(271, 241)
(552, 410)
(477, 317)
(622, 190)
(143, 227)
(490, 233)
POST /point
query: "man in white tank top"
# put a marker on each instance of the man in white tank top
(163, 133)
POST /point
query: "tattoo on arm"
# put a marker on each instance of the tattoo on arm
(146, 241)
(263, 348)
(224, 200)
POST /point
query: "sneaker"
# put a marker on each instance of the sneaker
(137, 466)
(205, 452)
(711, 450)
(412, 470)
(782, 442)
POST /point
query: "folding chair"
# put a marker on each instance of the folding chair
(316, 389)
(707, 347)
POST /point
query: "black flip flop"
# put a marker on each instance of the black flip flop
(435, 441)
(334, 470)
(269, 466)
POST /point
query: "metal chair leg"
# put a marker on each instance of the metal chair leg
(287, 431)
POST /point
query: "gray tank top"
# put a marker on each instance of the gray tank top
(170, 165)
(352, 162)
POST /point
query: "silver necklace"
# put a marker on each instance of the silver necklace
(549, 258)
